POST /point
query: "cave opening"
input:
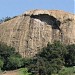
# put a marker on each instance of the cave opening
(50, 20)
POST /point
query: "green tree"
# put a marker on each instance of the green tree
(5, 19)
(50, 59)
(70, 57)
(10, 57)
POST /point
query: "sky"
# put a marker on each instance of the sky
(16, 7)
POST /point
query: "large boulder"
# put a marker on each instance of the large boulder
(32, 30)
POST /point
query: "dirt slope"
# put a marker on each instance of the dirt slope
(10, 73)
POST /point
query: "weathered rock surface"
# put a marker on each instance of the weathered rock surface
(34, 29)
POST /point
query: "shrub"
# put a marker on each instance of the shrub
(14, 62)
(66, 71)
(24, 71)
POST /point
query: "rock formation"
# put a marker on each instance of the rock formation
(29, 32)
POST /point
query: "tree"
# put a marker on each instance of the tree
(50, 59)
(70, 57)
(10, 57)
(5, 19)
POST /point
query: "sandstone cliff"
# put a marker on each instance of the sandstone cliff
(34, 29)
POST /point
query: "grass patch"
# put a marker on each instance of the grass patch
(67, 71)
(24, 71)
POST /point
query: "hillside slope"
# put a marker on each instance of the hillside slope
(32, 30)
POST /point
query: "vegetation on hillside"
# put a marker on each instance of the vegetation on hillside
(9, 58)
(6, 19)
(50, 60)
(24, 71)
(67, 71)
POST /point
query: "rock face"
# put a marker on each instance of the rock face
(29, 32)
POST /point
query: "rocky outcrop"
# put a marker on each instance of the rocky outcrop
(29, 32)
